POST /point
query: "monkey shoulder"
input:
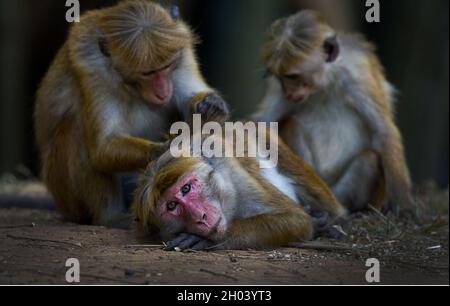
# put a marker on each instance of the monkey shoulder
(362, 70)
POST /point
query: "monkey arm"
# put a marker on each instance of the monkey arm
(192, 94)
(125, 154)
(386, 139)
(110, 148)
(258, 232)
(269, 230)
(398, 180)
(311, 189)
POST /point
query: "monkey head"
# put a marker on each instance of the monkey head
(144, 43)
(298, 52)
(179, 196)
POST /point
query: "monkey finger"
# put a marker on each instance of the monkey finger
(183, 242)
(189, 242)
(171, 245)
(202, 245)
(212, 106)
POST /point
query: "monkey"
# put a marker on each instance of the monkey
(124, 75)
(330, 95)
(204, 203)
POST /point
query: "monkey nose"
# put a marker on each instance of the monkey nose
(203, 219)
(288, 96)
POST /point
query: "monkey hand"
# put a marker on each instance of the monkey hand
(189, 242)
(212, 108)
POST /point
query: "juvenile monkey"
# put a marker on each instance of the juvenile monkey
(329, 92)
(123, 76)
(230, 203)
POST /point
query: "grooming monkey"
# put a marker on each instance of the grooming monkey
(230, 203)
(329, 92)
(123, 76)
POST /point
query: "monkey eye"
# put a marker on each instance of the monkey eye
(148, 73)
(186, 189)
(292, 77)
(172, 205)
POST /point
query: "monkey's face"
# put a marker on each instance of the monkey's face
(155, 84)
(304, 79)
(308, 76)
(188, 207)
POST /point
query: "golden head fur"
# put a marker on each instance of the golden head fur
(293, 40)
(142, 33)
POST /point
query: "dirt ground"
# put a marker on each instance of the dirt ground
(35, 244)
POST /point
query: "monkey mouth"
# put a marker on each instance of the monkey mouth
(214, 232)
(300, 100)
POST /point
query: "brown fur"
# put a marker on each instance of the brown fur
(393, 162)
(357, 81)
(293, 40)
(91, 122)
(287, 220)
(138, 34)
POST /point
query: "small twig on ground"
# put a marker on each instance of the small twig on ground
(380, 215)
(219, 274)
(77, 244)
(319, 246)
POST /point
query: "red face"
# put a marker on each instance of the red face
(188, 206)
(156, 86)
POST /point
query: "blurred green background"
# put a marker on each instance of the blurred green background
(412, 39)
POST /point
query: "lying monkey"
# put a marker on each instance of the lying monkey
(230, 203)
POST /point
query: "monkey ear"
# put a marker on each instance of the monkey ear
(103, 46)
(331, 48)
(175, 12)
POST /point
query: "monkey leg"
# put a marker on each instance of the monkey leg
(57, 172)
(313, 192)
(362, 183)
(292, 136)
(89, 197)
(81, 193)
(103, 196)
